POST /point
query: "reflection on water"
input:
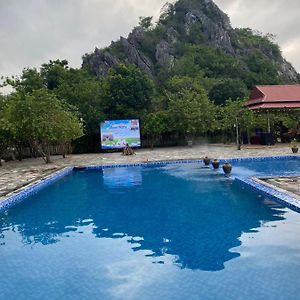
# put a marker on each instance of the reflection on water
(117, 178)
(194, 215)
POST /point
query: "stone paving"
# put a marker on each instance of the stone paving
(15, 174)
(289, 185)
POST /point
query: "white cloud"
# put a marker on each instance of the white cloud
(33, 32)
(280, 17)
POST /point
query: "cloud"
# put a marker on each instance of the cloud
(279, 17)
(33, 32)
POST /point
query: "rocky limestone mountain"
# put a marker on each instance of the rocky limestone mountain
(191, 22)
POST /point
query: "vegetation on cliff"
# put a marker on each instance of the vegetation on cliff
(185, 76)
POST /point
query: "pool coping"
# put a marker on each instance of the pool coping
(22, 193)
(34, 187)
(279, 195)
(262, 181)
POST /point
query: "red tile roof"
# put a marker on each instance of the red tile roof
(274, 96)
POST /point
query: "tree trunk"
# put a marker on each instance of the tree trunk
(46, 153)
(2, 151)
(63, 150)
(48, 159)
(33, 152)
(19, 151)
(152, 143)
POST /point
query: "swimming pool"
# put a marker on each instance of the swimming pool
(169, 232)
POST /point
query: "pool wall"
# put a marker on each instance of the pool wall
(23, 193)
(189, 161)
(270, 192)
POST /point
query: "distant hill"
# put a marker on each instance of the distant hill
(195, 38)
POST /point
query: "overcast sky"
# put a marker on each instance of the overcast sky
(34, 31)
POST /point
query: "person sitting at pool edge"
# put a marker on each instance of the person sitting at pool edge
(127, 150)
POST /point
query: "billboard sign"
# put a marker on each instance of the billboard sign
(115, 134)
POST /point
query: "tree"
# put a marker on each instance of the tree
(80, 89)
(155, 125)
(4, 133)
(228, 89)
(29, 81)
(189, 108)
(54, 122)
(262, 70)
(4, 142)
(128, 92)
(43, 120)
(145, 22)
(234, 113)
(69, 129)
(53, 72)
(20, 127)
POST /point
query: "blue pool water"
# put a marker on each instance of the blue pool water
(172, 232)
(267, 167)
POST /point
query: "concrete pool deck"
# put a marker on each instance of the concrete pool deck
(287, 185)
(15, 174)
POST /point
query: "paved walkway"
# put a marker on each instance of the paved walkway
(286, 184)
(15, 174)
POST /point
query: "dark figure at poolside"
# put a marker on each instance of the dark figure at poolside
(298, 131)
(128, 150)
(284, 132)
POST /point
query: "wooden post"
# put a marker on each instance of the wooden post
(269, 123)
(237, 134)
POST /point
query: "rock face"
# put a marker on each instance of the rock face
(216, 31)
(287, 72)
(135, 56)
(164, 54)
(215, 24)
(99, 62)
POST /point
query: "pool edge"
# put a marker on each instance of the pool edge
(32, 188)
(282, 197)
(22, 193)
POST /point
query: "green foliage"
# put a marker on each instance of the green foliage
(21, 128)
(196, 35)
(228, 89)
(52, 73)
(209, 61)
(116, 49)
(176, 100)
(151, 39)
(247, 38)
(189, 108)
(29, 80)
(128, 92)
(145, 22)
(262, 70)
(155, 124)
(227, 115)
(42, 120)
(167, 13)
(84, 91)
(4, 141)
(4, 133)
(248, 120)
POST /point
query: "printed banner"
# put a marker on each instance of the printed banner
(115, 134)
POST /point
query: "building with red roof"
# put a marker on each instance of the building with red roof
(274, 97)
